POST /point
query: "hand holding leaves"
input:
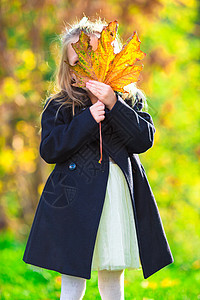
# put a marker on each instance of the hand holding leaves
(103, 92)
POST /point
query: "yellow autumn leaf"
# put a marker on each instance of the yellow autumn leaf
(116, 70)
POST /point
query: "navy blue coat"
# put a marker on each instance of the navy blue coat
(64, 229)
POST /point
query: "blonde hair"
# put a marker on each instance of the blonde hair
(63, 79)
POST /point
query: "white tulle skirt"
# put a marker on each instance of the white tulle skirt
(116, 245)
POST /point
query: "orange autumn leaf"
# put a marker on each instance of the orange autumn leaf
(116, 70)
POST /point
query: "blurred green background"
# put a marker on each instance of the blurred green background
(29, 51)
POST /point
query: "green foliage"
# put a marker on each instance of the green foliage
(21, 281)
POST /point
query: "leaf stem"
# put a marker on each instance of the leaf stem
(100, 143)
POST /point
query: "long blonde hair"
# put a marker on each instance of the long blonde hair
(63, 79)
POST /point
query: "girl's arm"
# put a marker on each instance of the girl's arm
(136, 129)
(60, 139)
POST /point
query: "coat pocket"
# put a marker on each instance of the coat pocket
(60, 190)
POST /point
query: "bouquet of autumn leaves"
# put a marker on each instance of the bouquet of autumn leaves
(117, 70)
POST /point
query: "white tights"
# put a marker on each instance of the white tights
(110, 285)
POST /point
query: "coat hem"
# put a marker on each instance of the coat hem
(56, 269)
(153, 271)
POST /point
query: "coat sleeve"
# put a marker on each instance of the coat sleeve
(59, 138)
(135, 128)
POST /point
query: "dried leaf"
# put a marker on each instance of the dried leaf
(116, 70)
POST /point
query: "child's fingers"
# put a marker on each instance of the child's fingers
(101, 109)
(101, 89)
(94, 90)
(99, 86)
(97, 83)
(94, 86)
(100, 104)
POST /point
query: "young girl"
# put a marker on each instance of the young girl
(95, 216)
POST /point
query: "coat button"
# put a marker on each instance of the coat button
(72, 166)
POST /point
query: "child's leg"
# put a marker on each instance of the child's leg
(111, 284)
(72, 287)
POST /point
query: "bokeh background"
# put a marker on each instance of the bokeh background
(29, 51)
